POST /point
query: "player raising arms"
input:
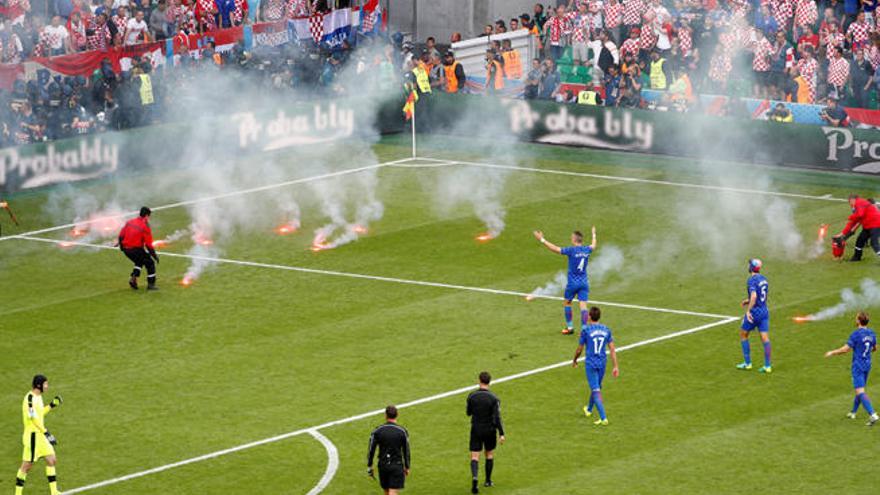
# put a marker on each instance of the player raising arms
(578, 282)
(596, 338)
(38, 442)
(757, 316)
(862, 343)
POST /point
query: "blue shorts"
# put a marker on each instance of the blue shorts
(761, 322)
(581, 291)
(594, 377)
(860, 378)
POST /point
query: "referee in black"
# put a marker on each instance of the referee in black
(393, 443)
(484, 408)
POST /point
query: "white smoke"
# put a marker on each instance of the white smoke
(482, 188)
(609, 260)
(850, 300)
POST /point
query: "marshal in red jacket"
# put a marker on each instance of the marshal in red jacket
(136, 234)
(864, 213)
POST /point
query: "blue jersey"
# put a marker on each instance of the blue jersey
(862, 342)
(758, 284)
(595, 338)
(578, 258)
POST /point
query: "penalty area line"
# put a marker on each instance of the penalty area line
(215, 197)
(422, 283)
(313, 431)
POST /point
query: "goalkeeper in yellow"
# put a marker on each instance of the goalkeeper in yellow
(38, 442)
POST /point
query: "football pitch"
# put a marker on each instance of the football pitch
(268, 373)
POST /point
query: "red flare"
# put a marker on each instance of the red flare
(187, 281)
(78, 232)
(801, 319)
(4, 204)
(65, 244)
(823, 231)
(287, 228)
(161, 243)
(203, 240)
(319, 246)
(485, 237)
(530, 297)
(359, 229)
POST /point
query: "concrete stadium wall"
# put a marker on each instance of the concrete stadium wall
(441, 18)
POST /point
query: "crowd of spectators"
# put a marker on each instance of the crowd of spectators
(804, 51)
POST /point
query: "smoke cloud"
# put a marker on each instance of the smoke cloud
(609, 260)
(850, 301)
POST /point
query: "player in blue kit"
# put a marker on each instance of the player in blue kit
(596, 338)
(578, 282)
(757, 316)
(862, 343)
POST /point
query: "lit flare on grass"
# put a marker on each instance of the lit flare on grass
(65, 244)
(802, 319)
(161, 243)
(823, 232)
(187, 281)
(78, 232)
(288, 228)
(485, 237)
(203, 240)
(359, 229)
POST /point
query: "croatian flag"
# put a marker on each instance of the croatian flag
(331, 28)
(372, 18)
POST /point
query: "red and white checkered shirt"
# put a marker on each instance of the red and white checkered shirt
(762, 50)
(613, 14)
(559, 27)
(630, 45)
(685, 41)
(860, 32)
(809, 69)
(649, 37)
(120, 22)
(873, 56)
(100, 38)
(838, 72)
(274, 10)
(582, 28)
(805, 13)
(632, 12)
(206, 10)
(740, 7)
(782, 12)
(297, 8)
(237, 16)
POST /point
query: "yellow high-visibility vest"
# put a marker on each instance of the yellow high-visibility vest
(146, 90)
(422, 79)
(658, 78)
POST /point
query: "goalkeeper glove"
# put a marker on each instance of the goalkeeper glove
(57, 401)
(51, 438)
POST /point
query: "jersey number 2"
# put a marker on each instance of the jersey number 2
(867, 349)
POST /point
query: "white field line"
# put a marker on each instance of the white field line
(377, 412)
(332, 462)
(214, 197)
(334, 273)
(632, 179)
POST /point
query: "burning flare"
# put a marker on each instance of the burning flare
(187, 280)
(65, 244)
(359, 229)
(802, 319)
(485, 237)
(823, 232)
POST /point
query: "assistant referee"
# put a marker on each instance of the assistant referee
(392, 440)
(136, 242)
(484, 408)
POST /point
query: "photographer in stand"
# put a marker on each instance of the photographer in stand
(834, 115)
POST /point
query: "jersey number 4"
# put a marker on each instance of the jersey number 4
(582, 264)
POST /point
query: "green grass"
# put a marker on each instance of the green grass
(252, 352)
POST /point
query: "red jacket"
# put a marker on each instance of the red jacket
(136, 234)
(864, 213)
